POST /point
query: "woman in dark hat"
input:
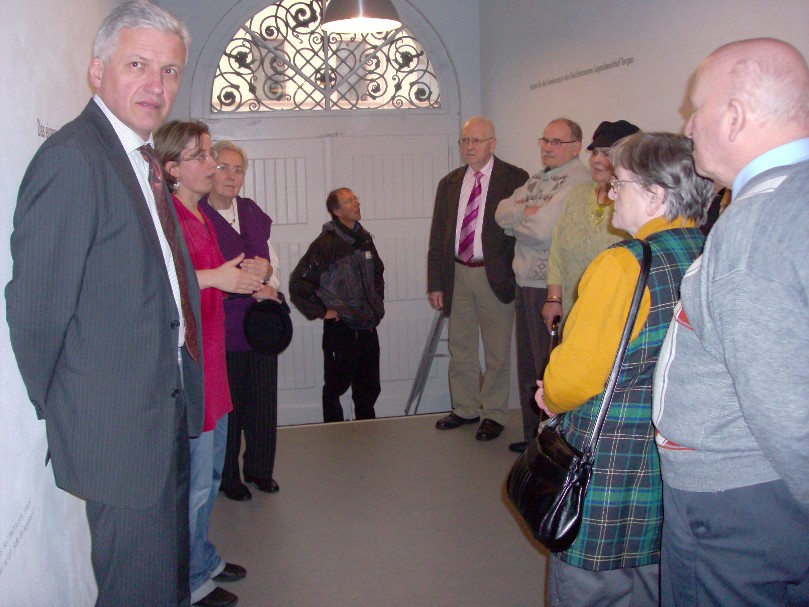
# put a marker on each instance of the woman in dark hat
(242, 227)
(585, 226)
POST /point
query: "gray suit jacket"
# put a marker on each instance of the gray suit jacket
(92, 318)
(498, 248)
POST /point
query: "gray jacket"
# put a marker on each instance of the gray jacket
(732, 383)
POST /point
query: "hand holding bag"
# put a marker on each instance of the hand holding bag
(548, 482)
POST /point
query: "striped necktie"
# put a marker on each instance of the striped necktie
(466, 240)
(170, 231)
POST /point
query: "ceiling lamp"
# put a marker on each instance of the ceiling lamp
(360, 16)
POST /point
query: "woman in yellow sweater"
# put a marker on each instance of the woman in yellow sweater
(660, 198)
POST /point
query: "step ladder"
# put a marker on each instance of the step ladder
(427, 356)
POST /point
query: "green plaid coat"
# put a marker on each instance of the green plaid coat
(623, 508)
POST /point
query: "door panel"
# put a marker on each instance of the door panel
(395, 179)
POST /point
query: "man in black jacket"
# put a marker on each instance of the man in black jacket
(339, 279)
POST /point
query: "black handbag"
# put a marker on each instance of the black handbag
(548, 482)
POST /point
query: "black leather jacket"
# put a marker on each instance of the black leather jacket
(340, 271)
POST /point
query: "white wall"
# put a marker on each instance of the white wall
(498, 55)
(525, 42)
(44, 543)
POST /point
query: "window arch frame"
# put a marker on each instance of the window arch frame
(347, 72)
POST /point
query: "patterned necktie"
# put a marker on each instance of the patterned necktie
(466, 240)
(170, 231)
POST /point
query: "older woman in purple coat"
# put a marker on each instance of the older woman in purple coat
(243, 227)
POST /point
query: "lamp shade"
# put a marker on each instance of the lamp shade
(359, 16)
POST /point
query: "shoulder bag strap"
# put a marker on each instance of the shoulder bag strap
(622, 346)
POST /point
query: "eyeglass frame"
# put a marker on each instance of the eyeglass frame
(620, 183)
(473, 140)
(223, 167)
(202, 158)
(555, 143)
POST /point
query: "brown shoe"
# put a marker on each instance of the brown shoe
(218, 597)
(489, 429)
(239, 493)
(231, 573)
(519, 446)
(452, 421)
(267, 485)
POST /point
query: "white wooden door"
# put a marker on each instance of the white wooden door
(395, 178)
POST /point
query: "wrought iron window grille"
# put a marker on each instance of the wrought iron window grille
(282, 60)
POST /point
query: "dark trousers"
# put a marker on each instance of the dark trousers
(253, 378)
(350, 359)
(533, 344)
(746, 547)
(140, 555)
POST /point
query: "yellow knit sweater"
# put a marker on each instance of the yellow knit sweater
(579, 367)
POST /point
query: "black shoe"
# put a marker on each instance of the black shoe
(519, 446)
(452, 421)
(231, 573)
(240, 493)
(267, 485)
(218, 597)
(489, 429)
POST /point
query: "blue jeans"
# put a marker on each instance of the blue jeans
(207, 460)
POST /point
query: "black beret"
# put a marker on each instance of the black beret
(267, 326)
(608, 133)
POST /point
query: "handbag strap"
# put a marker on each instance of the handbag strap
(645, 265)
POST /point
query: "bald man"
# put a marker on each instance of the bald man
(732, 384)
(469, 278)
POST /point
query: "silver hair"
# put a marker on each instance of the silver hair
(136, 14)
(223, 145)
(665, 160)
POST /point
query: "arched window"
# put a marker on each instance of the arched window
(281, 60)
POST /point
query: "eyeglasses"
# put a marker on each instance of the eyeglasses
(202, 158)
(554, 143)
(473, 140)
(617, 184)
(226, 168)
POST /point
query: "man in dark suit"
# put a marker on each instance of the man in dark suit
(470, 279)
(95, 310)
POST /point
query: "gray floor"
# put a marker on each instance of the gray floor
(387, 513)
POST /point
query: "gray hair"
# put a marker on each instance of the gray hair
(136, 14)
(224, 144)
(665, 160)
(575, 129)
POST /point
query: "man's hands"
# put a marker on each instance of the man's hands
(436, 299)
